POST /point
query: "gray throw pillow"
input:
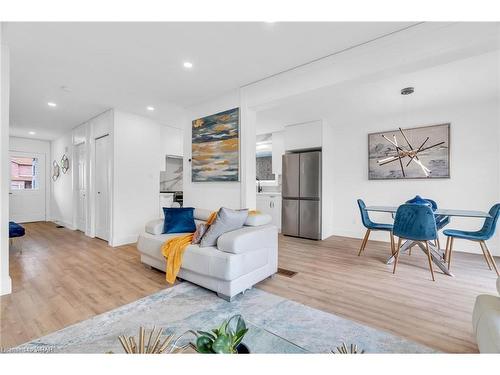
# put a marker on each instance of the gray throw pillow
(227, 220)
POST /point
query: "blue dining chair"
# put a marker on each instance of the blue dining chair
(371, 226)
(481, 236)
(415, 222)
(441, 220)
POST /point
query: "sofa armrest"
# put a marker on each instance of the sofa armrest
(154, 227)
(248, 239)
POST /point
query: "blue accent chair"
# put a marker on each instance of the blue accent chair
(441, 220)
(481, 236)
(415, 222)
(371, 226)
(15, 230)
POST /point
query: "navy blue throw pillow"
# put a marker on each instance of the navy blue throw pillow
(179, 220)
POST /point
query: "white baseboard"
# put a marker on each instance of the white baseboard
(63, 223)
(124, 240)
(5, 286)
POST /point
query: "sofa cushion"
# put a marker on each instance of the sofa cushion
(150, 244)
(248, 239)
(257, 219)
(225, 266)
(207, 261)
(155, 226)
(202, 214)
(201, 229)
(226, 221)
(486, 323)
(179, 220)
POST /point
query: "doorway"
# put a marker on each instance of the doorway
(102, 187)
(27, 196)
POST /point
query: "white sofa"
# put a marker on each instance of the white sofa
(241, 258)
(486, 322)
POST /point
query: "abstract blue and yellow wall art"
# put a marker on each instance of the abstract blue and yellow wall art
(215, 147)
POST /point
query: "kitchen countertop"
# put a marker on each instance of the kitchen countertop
(269, 193)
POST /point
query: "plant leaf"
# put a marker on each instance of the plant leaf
(239, 337)
(240, 325)
(222, 344)
(209, 334)
(204, 344)
(223, 328)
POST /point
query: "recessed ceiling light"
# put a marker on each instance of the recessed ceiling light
(149, 108)
(188, 65)
(407, 91)
(31, 133)
(52, 104)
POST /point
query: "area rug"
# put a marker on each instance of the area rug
(277, 325)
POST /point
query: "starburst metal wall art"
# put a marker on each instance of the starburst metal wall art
(410, 153)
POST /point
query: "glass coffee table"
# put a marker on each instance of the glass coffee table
(261, 341)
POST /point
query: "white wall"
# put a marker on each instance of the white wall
(139, 146)
(139, 156)
(328, 187)
(474, 162)
(210, 195)
(61, 201)
(39, 147)
(5, 281)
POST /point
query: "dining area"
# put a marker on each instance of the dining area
(417, 225)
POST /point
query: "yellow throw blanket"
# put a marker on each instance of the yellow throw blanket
(173, 250)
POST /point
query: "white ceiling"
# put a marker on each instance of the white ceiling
(462, 81)
(133, 65)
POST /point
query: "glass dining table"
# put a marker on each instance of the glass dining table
(437, 254)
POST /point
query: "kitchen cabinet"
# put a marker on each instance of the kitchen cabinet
(304, 136)
(270, 204)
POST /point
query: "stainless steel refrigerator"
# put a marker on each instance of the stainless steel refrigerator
(301, 192)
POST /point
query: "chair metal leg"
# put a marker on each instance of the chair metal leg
(396, 255)
(450, 250)
(438, 243)
(491, 258)
(365, 240)
(430, 259)
(409, 251)
(392, 243)
(485, 255)
(445, 256)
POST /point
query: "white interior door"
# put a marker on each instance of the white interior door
(80, 163)
(102, 171)
(27, 187)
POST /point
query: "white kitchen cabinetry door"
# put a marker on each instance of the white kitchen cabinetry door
(270, 204)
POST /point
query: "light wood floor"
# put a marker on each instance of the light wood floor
(63, 277)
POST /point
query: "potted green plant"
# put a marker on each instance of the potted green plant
(225, 339)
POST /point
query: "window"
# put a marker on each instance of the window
(23, 173)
